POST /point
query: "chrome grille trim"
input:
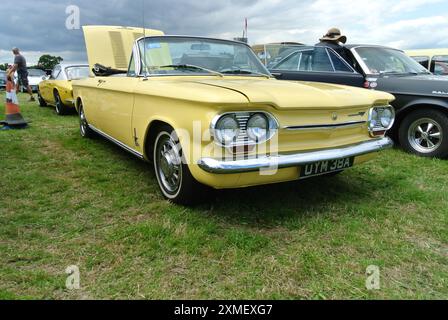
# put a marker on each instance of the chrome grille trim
(332, 126)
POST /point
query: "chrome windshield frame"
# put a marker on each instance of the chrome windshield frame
(139, 67)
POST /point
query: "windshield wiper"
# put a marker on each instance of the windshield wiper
(188, 67)
(399, 73)
(241, 71)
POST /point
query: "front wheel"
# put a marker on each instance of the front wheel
(173, 175)
(425, 133)
(41, 100)
(61, 109)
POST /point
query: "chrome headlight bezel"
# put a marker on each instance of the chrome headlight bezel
(376, 120)
(243, 118)
(227, 136)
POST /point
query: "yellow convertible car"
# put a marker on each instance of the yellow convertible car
(207, 113)
(57, 90)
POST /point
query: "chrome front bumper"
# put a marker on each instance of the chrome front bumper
(293, 160)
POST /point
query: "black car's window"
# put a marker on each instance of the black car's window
(316, 59)
(440, 65)
(423, 60)
(291, 63)
(321, 60)
(339, 64)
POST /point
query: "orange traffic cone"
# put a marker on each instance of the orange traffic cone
(13, 119)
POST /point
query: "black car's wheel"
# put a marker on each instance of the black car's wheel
(425, 133)
(61, 109)
(173, 175)
(84, 128)
(41, 100)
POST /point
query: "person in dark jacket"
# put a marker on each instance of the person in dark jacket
(334, 40)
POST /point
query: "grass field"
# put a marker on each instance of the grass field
(68, 201)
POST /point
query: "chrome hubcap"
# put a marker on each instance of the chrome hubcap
(58, 103)
(83, 122)
(169, 164)
(425, 135)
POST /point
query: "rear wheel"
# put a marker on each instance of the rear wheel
(84, 128)
(173, 175)
(425, 133)
(61, 109)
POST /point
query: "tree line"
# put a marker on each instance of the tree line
(46, 62)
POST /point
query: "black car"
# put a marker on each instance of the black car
(421, 98)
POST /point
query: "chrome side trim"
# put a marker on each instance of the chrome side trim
(326, 126)
(118, 143)
(293, 160)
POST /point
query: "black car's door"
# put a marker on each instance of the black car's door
(317, 65)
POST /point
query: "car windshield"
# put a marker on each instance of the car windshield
(191, 56)
(74, 73)
(36, 73)
(389, 61)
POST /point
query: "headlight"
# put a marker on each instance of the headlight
(381, 119)
(386, 118)
(258, 127)
(235, 129)
(227, 130)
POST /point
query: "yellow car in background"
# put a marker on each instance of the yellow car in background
(435, 60)
(57, 90)
(207, 113)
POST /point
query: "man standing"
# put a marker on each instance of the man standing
(334, 40)
(22, 71)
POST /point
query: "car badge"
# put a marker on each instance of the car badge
(334, 116)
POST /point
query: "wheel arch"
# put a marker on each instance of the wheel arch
(418, 104)
(151, 134)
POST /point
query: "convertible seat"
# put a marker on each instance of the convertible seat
(13, 117)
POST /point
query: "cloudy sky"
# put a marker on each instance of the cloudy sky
(39, 26)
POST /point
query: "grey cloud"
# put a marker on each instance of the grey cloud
(39, 26)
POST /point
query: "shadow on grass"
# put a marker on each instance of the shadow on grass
(271, 205)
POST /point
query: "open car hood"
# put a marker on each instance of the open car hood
(112, 46)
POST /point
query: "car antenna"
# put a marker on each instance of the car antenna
(144, 43)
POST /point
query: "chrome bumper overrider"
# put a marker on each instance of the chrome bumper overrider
(293, 160)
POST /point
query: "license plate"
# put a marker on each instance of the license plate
(324, 167)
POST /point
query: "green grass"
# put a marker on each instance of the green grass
(68, 201)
